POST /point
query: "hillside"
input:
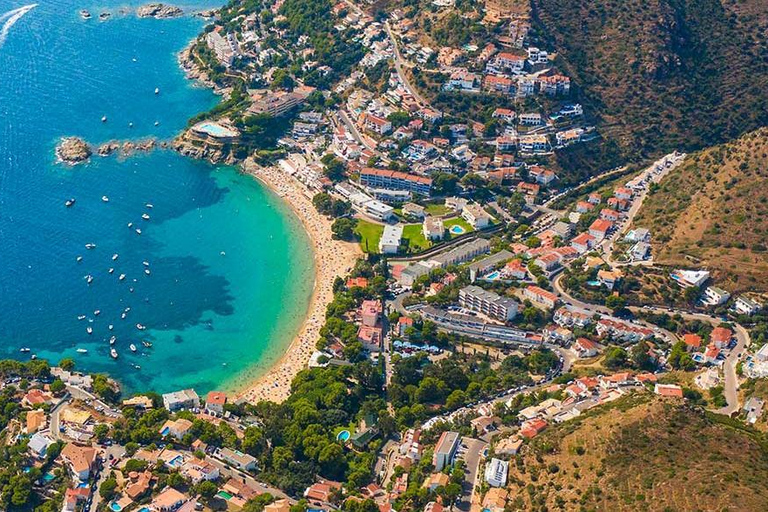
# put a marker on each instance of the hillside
(661, 75)
(712, 211)
(641, 453)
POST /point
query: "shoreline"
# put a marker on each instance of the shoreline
(331, 257)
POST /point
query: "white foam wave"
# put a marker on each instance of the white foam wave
(10, 18)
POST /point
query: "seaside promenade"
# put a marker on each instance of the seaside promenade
(332, 258)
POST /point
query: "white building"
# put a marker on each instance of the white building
(487, 302)
(390, 239)
(496, 472)
(476, 216)
(715, 296)
(746, 306)
(433, 228)
(184, 399)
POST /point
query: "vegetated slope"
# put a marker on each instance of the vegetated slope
(642, 453)
(713, 211)
(663, 74)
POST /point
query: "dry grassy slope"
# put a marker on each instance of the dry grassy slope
(713, 211)
(664, 74)
(642, 453)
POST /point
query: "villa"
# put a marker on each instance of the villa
(80, 460)
(476, 216)
(176, 428)
(240, 460)
(433, 228)
(496, 472)
(600, 228)
(184, 399)
(168, 500)
(389, 243)
(215, 402)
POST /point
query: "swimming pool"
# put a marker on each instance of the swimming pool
(343, 436)
(457, 230)
(176, 461)
(493, 275)
(48, 477)
(115, 506)
(225, 495)
(165, 431)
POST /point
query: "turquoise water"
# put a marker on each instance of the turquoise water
(457, 230)
(343, 436)
(231, 268)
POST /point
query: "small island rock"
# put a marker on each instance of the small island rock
(73, 150)
(157, 10)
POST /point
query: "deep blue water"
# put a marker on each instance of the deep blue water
(220, 302)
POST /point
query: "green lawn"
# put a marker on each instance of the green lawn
(436, 210)
(414, 239)
(453, 221)
(370, 234)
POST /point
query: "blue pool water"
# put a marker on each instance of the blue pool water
(213, 318)
(493, 275)
(457, 230)
(114, 506)
(343, 436)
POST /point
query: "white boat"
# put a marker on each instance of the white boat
(149, 205)
(157, 90)
(97, 312)
(145, 216)
(104, 119)
(157, 123)
(89, 329)
(110, 327)
(89, 279)
(137, 367)
(85, 14)
(105, 199)
(69, 202)
(146, 343)
(111, 270)
(24, 350)
(127, 309)
(114, 256)
(122, 276)
(145, 263)
(79, 259)
(113, 353)
(122, 316)
(82, 351)
(140, 327)
(112, 340)
(34, 356)
(132, 347)
(130, 224)
(130, 125)
(81, 317)
(138, 231)
(90, 246)
(146, 271)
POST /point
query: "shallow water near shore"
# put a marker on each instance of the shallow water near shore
(230, 265)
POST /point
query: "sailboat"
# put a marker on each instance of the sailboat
(113, 353)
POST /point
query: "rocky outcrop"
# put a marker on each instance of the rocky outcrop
(73, 150)
(196, 149)
(108, 148)
(158, 11)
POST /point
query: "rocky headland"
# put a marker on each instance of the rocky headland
(73, 150)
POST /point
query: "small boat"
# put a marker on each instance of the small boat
(145, 216)
(114, 257)
(24, 350)
(149, 205)
(90, 246)
(104, 119)
(89, 329)
(157, 90)
(130, 224)
(137, 367)
(146, 271)
(112, 340)
(132, 347)
(157, 123)
(113, 353)
(130, 289)
(104, 16)
(110, 327)
(79, 259)
(82, 351)
(81, 317)
(138, 231)
(127, 309)
(85, 14)
(89, 279)
(222, 253)
(69, 202)
(34, 356)
(147, 344)
(140, 327)
(97, 312)
(122, 277)
(130, 125)
(111, 270)
(105, 199)
(122, 315)
(145, 263)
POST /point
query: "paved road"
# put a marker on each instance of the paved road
(472, 455)
(399, 67)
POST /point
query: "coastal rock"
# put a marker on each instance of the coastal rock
(207, 13)
(73, 150)
(108, 148)
(158, 11)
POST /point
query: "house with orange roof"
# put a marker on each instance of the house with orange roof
(360, 282)
(721, 336)
(540, 296)
(215, 402)
(669, 390)
(585, 348)
(35, 397)
(692, 341)
(583, 242)
(532, 428)
(600, 228)
(79, 459)
(169, 499)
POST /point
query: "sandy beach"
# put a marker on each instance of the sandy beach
(332, 258)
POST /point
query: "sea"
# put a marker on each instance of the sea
(230, 266)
